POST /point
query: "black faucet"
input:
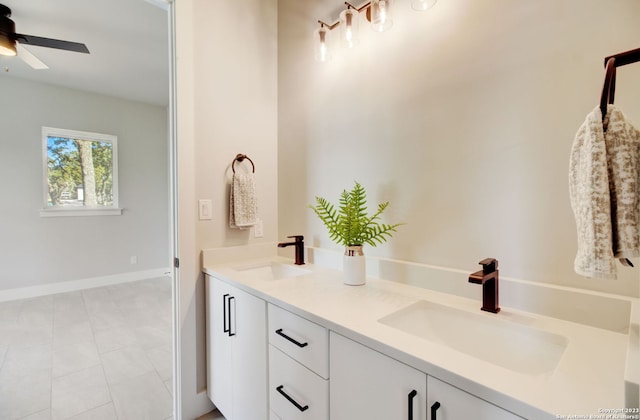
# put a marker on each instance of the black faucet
(488, 278)
(299, 244)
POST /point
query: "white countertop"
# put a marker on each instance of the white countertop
(588, 378)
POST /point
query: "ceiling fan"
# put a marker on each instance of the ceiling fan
(10, 41)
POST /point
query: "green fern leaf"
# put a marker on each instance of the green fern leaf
(349, 224)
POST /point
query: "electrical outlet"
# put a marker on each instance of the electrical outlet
(134, 260)
(258, 230)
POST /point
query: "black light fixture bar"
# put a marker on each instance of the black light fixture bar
(624, 58)
(365, 5)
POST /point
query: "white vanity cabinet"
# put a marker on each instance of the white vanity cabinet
(298, 367)
(236, 351)
(265, 362)
(445, 402)
(366, 384)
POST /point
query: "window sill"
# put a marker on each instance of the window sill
(79, 213)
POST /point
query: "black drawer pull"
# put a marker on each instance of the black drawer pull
(231, 334)
(434, 408)
(297, 343)
(291, 400)
(224, 314)
(411, 395)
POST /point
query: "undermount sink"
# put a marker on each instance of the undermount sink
(272, 270)
(504, 343)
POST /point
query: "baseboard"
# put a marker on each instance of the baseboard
(73, 285)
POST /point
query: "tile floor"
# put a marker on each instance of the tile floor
(214, 415)
(96, 354)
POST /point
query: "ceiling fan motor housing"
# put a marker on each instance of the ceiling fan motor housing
(7, 32)
(7, 26)
(5, 11)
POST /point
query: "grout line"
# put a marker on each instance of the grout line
(96, 407)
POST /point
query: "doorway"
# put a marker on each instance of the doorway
(86, 301)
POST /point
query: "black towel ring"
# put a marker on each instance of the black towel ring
(609, 87)
(239, 158)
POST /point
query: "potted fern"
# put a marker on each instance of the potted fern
(351, 226)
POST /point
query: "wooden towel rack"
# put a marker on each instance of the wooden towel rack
(611, 63)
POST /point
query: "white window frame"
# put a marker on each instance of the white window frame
(47, 211)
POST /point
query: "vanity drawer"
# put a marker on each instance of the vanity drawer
(294, 391)
(303, 340)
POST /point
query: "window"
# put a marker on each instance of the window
(80, 173)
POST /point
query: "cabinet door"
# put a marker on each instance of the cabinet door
(368, 385)
(236, 351)
(455, 404)
(249, 327)
(219, 368)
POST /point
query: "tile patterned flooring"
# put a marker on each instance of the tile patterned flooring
(95, 354)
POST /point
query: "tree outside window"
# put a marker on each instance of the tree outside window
(81, 170)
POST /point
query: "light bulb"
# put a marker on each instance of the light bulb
(7, 46)
(422, 5)
(349, 27)
(7, 51)
(381, 15)
(322, 52)
(383, 11)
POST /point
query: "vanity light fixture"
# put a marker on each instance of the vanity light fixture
(378, 12)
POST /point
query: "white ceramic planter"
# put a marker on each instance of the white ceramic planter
(353, 266)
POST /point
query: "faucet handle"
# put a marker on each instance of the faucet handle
(298, 238)
(489, 265)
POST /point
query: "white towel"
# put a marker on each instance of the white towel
(242, 201)
(603, 185)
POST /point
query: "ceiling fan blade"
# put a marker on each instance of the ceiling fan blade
(30, 59)
(52, 43)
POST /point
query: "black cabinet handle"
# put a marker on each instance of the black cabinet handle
(297, 343)
(411, 395)
(291, 400)
(224, 314)
(434, 408)
(231, 334)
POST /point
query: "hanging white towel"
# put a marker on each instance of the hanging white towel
(242, 201)
(604, 176)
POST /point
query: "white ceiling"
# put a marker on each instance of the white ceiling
(128, 41)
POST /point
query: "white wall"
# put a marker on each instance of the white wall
(227, 104)
(463, 117)
(39, 251)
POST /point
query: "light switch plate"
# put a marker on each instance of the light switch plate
(204, 209)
